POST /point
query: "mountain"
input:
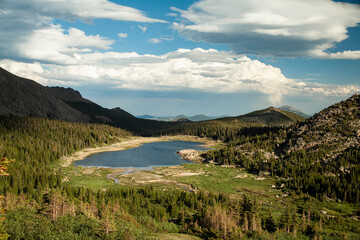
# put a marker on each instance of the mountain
(336, 128)
(199, 117)
(321, 156)
(146, 117)
(195, 118)
(293, 110)
(271, 116)
(24, 97)
(181, 117)
(181, 120)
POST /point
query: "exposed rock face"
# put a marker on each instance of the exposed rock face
(191, 155)
(336, 127)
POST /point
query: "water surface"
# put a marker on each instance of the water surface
(147, 156)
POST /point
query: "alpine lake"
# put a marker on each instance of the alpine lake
(147, 156)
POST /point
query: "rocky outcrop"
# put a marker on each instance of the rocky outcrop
(191, 155)
(336, 127)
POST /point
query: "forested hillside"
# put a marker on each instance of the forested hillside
(40, 206)
(319, 156)
(313, 162)
(36, 144)
(230, 129)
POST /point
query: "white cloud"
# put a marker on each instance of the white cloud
(159, 40)
(78, 9)
(155, 40)
(143, 28)
(338, 55)
(270, 27)
(184, 69)
(123, 35)
(56, 45)
(172, 14)
(27, 30)
(31, 71)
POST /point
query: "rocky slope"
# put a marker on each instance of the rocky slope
(335, 129)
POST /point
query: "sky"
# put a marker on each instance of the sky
(170, 57)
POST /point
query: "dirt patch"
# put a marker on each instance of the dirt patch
(142, 177)
(88, 171)
(163, 175)
(187, 174)
(177, 171)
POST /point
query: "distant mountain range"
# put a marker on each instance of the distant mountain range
(24, 97)
(250, 117)
(195, 118)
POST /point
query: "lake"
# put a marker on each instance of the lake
(147, 156)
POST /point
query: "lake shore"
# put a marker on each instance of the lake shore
(131, 143)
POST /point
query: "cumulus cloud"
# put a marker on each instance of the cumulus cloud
(198, 69)
(56, 45)
(27, 31)
(123, 35)
(31, 71)
(271, 27)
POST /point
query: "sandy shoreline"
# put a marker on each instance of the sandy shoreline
(129, 143)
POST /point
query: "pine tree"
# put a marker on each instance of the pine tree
(3, 172)
(270, 224)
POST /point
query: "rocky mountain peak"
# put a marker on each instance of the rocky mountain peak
(336, 128)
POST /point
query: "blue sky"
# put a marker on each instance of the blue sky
(170, 57)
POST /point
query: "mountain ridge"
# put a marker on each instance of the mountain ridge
(337, 126)
(271, 116)
(294, 110)
(25, 97)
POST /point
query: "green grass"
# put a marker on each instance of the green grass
(95, 181)
(219, 179)
(222, 179)
(174, 236)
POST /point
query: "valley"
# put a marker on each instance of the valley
(270, 174)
